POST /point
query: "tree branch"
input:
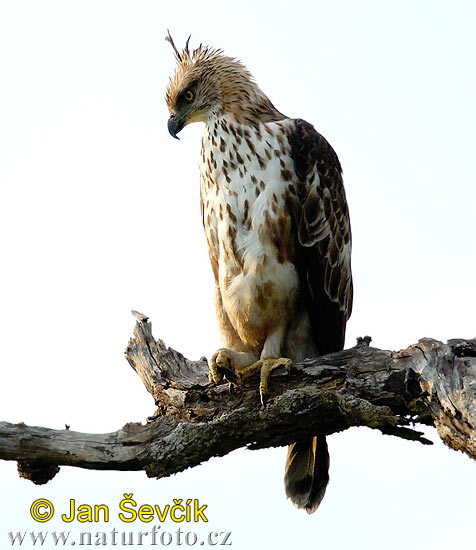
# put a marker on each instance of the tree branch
(430, 383)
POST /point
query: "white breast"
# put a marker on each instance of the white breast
(242, 186)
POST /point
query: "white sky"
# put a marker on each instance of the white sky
(99, 215)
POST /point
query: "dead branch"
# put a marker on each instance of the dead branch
(430, 383)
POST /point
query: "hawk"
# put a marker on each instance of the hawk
(278, 233)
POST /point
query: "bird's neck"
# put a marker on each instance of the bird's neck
(245, 103)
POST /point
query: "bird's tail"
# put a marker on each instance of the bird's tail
(307, 472)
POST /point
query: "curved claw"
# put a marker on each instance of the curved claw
(267, 366)
(263, 398)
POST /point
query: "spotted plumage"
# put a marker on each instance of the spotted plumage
(278, 234)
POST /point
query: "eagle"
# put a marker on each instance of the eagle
(278, 233)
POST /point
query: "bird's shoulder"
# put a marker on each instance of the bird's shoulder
(309, 150)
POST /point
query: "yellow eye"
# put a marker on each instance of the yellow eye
(188, 95)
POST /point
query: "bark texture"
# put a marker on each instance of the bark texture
(430, 383)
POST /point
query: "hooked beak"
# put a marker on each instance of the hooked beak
(174, 126)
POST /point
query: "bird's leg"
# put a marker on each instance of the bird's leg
(223, 364)
(271, 359)
(237, 366)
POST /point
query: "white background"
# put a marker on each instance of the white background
(99, 214)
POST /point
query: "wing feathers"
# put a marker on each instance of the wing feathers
(323, 235)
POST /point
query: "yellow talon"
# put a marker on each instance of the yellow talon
(268, 365)
(222, 366)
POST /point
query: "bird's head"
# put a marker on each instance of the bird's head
(207, 83)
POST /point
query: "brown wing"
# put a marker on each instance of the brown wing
(323, 237)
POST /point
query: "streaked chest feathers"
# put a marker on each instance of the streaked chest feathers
(246, 175)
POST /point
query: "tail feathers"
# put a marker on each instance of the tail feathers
(307, 473)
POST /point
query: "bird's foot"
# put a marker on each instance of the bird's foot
(265, 366)
(222, 366)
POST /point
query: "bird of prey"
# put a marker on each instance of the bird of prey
(278, 233)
